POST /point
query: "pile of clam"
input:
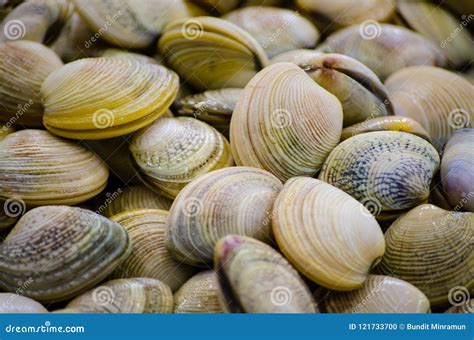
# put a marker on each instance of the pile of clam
(253, 156)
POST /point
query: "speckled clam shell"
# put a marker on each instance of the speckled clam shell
(135, 295)
(15, 303)
(464, 308)
(379, 294)
(149, 257)
(440, 100)
(276, 29)
(312, 221)
(255, 278)
(211, 53)
(457, 165)
(24, 65)
(39, 168)
(172, 152)
(200, 294)
(61, 251)
(387, 171)
(285, 123)
(384, 48)
(236, 200)
(98, 98)
(432, 249)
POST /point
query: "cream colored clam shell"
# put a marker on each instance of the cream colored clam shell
(15, 303)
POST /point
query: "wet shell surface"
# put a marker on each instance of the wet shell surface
(255, 278)
(172, 152)
(285, 123)
(62, 251)
(312, 221)
(200, 294)
(236, 200)
(149, 257)
(387, 171)
(39, 168)
(432, 249)
(15, 303)
(99, 98)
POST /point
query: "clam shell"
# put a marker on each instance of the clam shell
(432, 249)
(149, 258)
(285, 123)
(379, 294)
(255, 278)
(384, 48)
(24, 65)
(467, 307)
(118, 53)
(98, 98)
(136, 295)
(172, 152)
(441, 101)
(387, 171)
(39, 168)
(200, 294)
(312, 221)
(61, 251)
(15, 303)
(211, 53)
(457, 165)
(236, 200)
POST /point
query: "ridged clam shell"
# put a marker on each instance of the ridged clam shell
(276, 29)
(236, 200)
(24, 65)
(432, 249)
(312, 221)
(379, 294)
(285, 123)
(255, 278)
(200, 294)
(211, 53)
(136, 295)
(123, 54)
(98, 98)
(62, 251)
(384, 48)
(149, 257)
(172, 152)
(467, 307)
(441, 101)
(457, 170)
(40, 168)
(387, 171)
(15, 303)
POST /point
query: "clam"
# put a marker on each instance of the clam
(134, 197)
(213, 107)
(98, 98)
(61, 251)
(277, 30)
(432, 249)
(149, 257)
(441, 101)
(15, 303)
(255, 278)
(383, 48)
(200, 294)
(285, 123)
(387, 171)
(294, 55)
(388, 123)
(457, 170)
(172, 152)
(211, 53)
(312, 221)
(38, 168)
(23, 67)
(379, 294)
(235, 200)
(136, 295)
(117, 53)
(467, 307)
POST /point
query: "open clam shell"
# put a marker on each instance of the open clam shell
(15, 303)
